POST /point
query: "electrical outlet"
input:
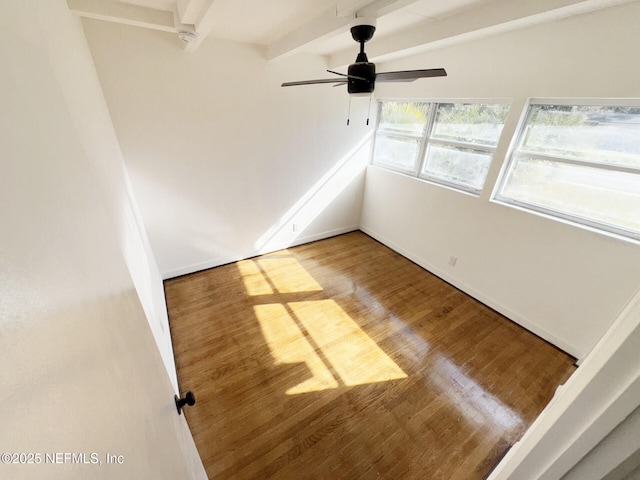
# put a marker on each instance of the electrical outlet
(295, 227)
(453, 260)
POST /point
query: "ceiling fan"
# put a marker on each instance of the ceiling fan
(362, 77)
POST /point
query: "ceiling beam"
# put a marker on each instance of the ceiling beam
(324, 25)
(192, 16)
(331, 22)
(203, 24)
(124, 13)
(379, 8)
(346, 8)
(365, 8)
(486, 19)
(189, 11)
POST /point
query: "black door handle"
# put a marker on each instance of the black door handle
(189, 399)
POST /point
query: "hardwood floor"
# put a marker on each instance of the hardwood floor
(341, 359)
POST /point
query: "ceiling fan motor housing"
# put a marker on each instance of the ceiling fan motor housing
(364, 70)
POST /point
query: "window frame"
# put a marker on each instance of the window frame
(427, 139)
(548, 212)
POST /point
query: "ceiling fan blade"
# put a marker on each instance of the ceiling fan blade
(313, 82)
(347, 75)
(410, 75)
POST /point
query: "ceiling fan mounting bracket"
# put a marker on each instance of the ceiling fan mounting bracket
(362, 33)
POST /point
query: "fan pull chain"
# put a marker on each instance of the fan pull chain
(369, 109)
(349, 111)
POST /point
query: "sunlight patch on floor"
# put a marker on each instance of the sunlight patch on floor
(316, 333)
(253, 279)
(281, 274)
(287, 275)
(289, 346)
(353, 354)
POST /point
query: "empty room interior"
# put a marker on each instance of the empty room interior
(374, 238)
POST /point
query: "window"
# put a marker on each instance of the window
(461, 145)
(580, 163)
(454, 146)
(399, 136)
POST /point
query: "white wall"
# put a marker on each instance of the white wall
(564, 283)
(79, 369)
(222, 159)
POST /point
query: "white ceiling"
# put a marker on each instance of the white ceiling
(322, 26)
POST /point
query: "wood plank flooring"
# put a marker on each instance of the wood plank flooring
(341, 359)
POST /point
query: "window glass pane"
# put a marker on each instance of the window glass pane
(609, 135)
(607, 196)
(408, 118)
(470, 122)
(396, 152)
(460, 166)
